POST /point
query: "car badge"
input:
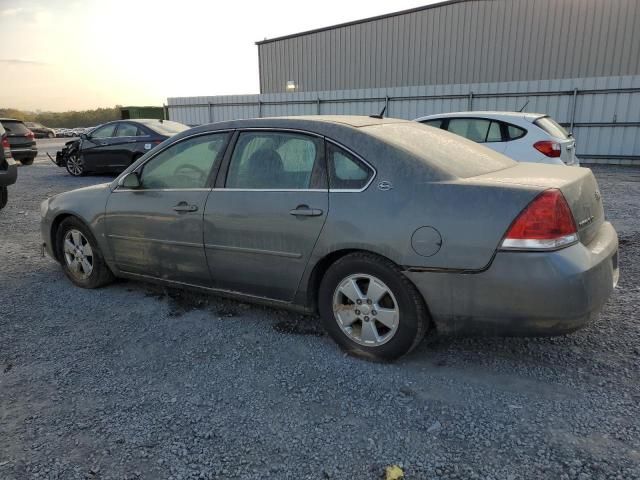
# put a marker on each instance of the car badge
(385, 186)
(598, 196)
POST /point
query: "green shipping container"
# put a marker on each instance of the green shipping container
(143, 112)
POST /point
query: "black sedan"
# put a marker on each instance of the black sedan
(114, 146)
(40, 131)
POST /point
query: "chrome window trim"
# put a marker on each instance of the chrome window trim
(222, 189)
(120, 189)
(359, 157)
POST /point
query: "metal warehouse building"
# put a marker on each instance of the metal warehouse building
(577, 60)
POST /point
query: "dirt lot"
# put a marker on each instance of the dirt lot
(133, 381)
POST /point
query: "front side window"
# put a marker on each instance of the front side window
(346, 172)
(186, 164)
(104, 132)
(435, 123)
(274, 161)
(127, 130)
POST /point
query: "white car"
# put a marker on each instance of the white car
(524, 137)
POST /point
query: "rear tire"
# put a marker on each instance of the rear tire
(27, 161)
(391, 317)
(51, 135)
(81, 258)
(4, 197)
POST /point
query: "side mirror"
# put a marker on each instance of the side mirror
(84, 136)
(131, 180)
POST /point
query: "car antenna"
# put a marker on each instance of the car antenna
(380, 115)
(524, 106)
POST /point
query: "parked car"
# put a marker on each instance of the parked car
(8, 169)
(524, 137)
(389, 229)
(114, 146)
(40, 131)
(21, 139)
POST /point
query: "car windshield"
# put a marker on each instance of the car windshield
(14, 127)
(445, 151)
(167, 127)
(552, 127)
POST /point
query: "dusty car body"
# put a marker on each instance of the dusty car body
(390, 229)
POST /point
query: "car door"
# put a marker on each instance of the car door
(94, 147)
(480, 130)
(262, 220)
(156, 230)
(128, 142)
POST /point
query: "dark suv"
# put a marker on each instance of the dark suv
(8, 169)
(21, 139)
(40, 131)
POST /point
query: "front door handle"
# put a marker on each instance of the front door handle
(305, 211)
(185, 207)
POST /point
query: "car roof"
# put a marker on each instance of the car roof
(486, 113)
(305, 121)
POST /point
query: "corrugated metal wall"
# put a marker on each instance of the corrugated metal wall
(464, 42)
(605, 115)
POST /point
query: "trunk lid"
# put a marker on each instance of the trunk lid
(578, 185)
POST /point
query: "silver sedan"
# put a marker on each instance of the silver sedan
(389, 229)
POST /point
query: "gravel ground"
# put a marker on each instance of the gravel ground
(135, 381)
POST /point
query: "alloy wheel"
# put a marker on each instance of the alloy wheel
(75, 165)
(78, 254)
(366, 310)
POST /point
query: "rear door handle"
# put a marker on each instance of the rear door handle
(305, 211)
(185, 207)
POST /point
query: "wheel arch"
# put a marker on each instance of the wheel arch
(55, 226)
(321, 267)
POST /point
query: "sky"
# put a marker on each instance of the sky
(58, 55)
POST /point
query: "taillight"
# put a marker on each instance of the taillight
(6, 147)
(30, 134)
(548, 148)
(546, 223)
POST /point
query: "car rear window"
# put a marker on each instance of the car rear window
(445, 151)
(552, 127)
(14, 128)
(167, 127)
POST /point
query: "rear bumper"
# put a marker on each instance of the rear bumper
(525, 293)
(9, 175)
(27, 152)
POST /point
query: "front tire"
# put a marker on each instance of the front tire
(4, 197)
(51, 135)
(370, 308)
(75, 165)
(80, 256)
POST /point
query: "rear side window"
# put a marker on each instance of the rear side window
(274, 161)
(127, 130)
(513, 132)
(346, 172)
(15, 128)
(552, 127)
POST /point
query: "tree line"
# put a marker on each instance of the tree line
(70, 119)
